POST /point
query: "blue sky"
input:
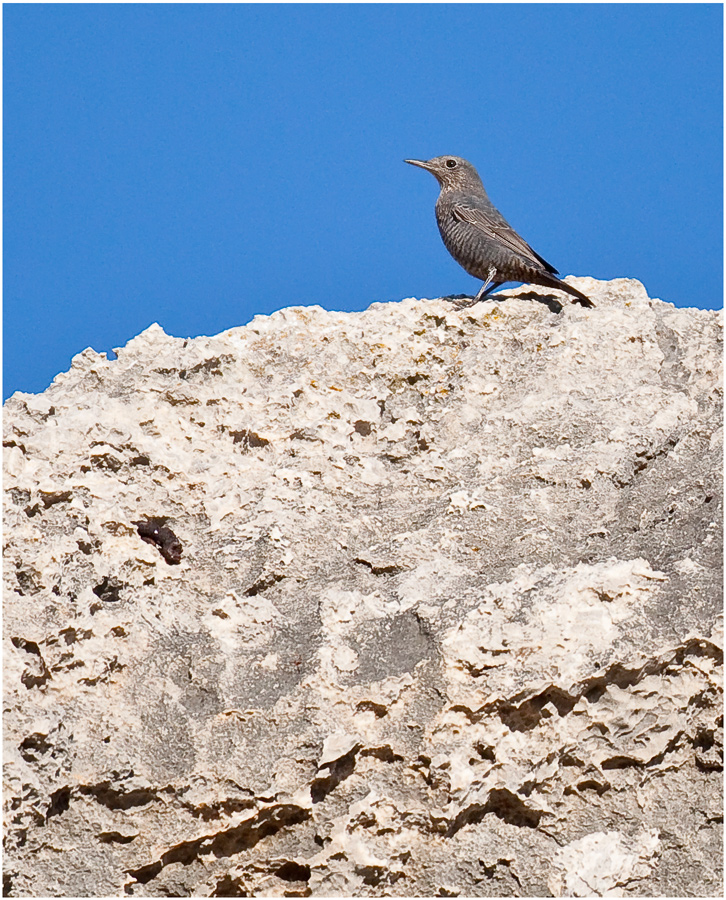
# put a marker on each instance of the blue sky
(198, 164)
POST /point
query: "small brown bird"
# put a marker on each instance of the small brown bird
(478, 236)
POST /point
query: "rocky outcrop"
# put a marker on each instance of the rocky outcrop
(418, 600)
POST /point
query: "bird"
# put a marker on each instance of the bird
(478, 236)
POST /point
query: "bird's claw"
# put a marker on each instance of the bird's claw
(465, 304)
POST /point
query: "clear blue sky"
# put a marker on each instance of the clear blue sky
(195, 165)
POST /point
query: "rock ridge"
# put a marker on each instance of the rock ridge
(411, 601)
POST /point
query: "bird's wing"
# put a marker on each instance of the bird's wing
(496, 229)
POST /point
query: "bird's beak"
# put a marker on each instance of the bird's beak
(422, 164)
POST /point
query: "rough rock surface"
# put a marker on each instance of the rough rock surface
(446, 619)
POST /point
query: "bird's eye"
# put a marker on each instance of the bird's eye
(450, 163)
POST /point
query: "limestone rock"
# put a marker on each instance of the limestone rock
(442, 618)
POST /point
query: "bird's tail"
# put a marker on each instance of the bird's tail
(555, 282)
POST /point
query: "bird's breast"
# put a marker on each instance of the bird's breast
(469, 247)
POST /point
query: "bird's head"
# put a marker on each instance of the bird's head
(452, 173)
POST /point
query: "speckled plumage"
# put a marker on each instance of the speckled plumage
(477, 235)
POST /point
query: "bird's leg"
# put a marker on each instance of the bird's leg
(492, 287)
(488, 285)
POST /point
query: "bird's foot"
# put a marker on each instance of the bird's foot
(466, 304)
(460, 301)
